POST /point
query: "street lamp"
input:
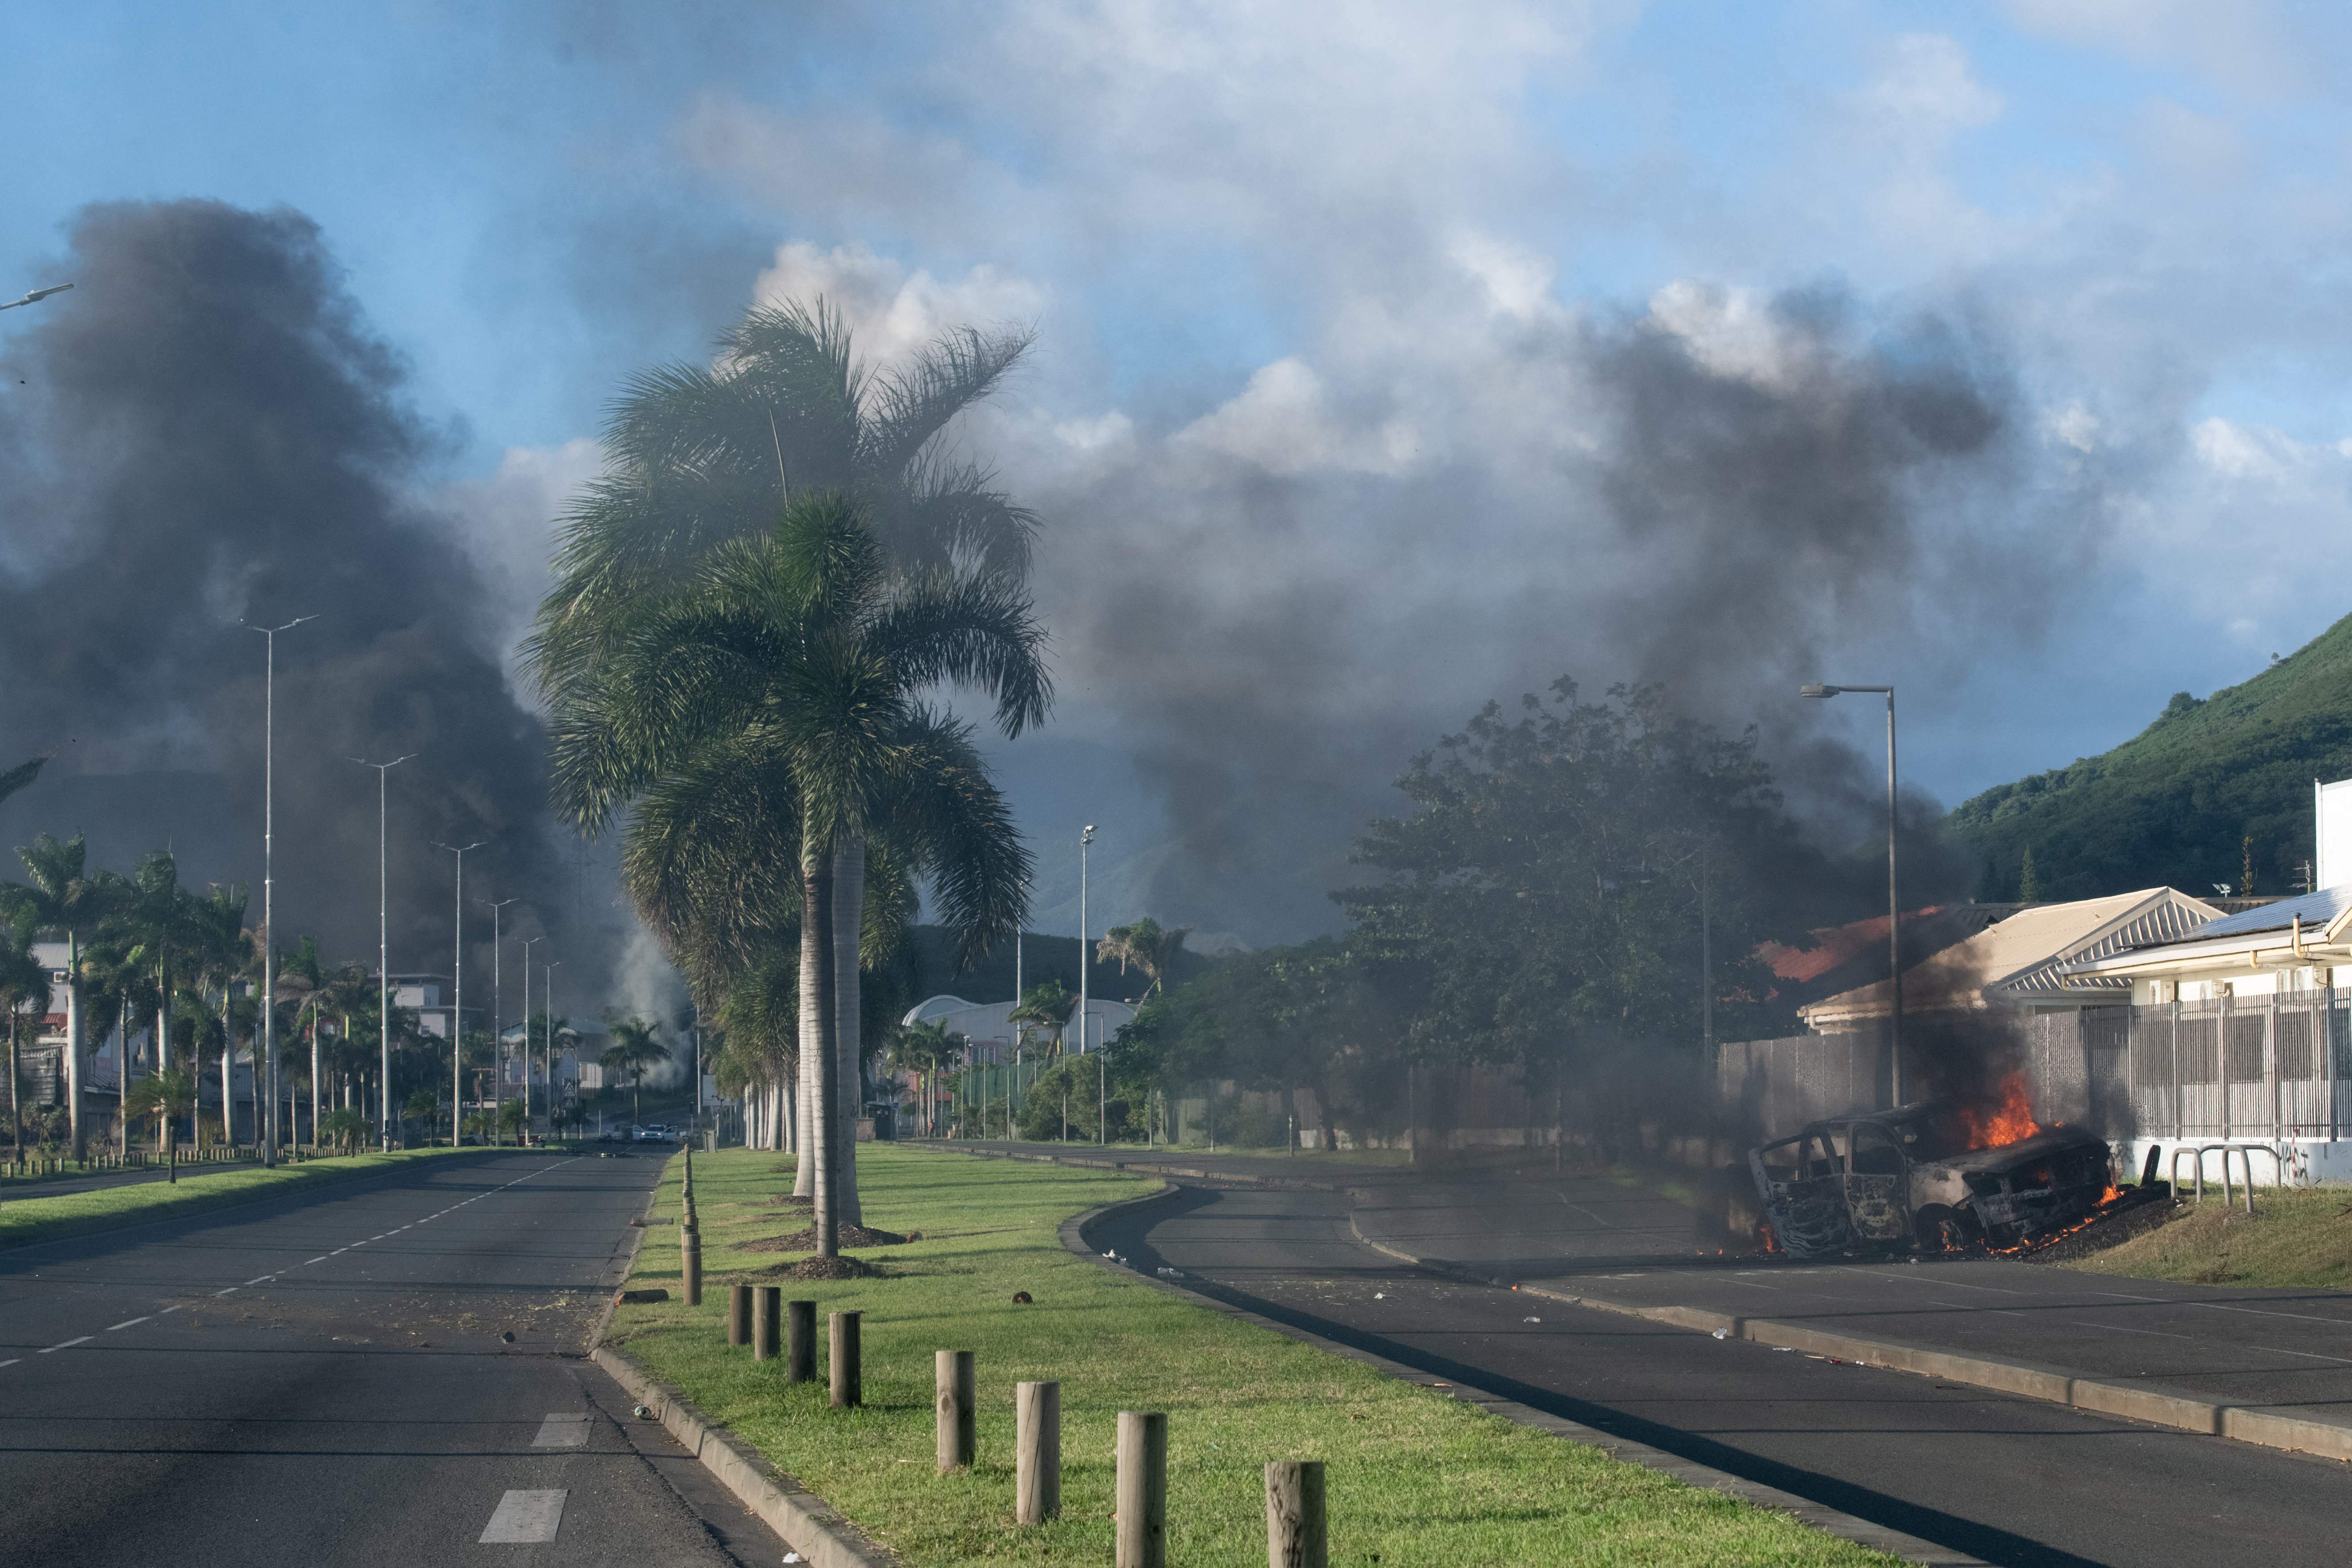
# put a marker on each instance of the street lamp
(528, 945)
(497, 1021)
(457, 1002)
(36, 297)
(1894, 904)
(546, 1051)
(384, 943)
(268, 1137)
(1102, 1098)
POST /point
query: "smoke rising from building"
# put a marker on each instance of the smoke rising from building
(209, 429)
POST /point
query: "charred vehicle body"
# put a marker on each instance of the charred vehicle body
(1904, 1179)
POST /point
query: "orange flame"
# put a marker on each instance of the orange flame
(2007, 1123)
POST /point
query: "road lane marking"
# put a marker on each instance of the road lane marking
(173, 1306)
(11, 1360)
(230, 1291)
(67, 1346)
(320, 1258)
(128, 1323)
(564, 1429)
(524, 1517)
(261, 1278)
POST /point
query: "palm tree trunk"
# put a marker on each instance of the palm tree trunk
(228, 1074)
(817, 1154)
(73, 1039)
(848, 925)
(16, 1108)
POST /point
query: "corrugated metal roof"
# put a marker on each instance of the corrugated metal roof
(2167, 921)
(2316, 909)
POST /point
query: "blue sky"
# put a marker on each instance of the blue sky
(1312, 292)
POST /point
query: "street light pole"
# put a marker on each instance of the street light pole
(383, 945)
(1086, 837)
(527, 946)
(1894, 901)
(265, 1133)
(497, 1021)
(546, 1052)
(457, 1002)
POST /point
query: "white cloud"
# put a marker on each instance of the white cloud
(1731, 331)
(507, 524)
(1282, 423)
(2249, 46)
(1925, 87)
(890, 311)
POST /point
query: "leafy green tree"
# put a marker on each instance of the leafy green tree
(164, 1095)
(424, 1105)
(797, 660)
(2029, 886)
(346, 1128)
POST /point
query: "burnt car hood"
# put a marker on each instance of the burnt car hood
(2025, 1151)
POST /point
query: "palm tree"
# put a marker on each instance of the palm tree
(424, 1105)
(925, 1049)
(795, 662)
(346, 1127)
(164, 1095)
(1148, 945)
(221, 953)
(23, 982)
(634, 1049)
(158, 921)
(301, 975)
(1048, 1006)
(66, 899)
(697, 456)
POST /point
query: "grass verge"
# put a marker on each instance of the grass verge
(2295, 1239)
(23, 1221)
(1414, 1477)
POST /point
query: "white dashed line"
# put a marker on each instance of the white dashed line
(173, 1306)
(320, 1258)
(523, 1517)
(230, 1291)
(67, 1346)
(127, 1322)
(563, 1430)
(11, 1360)
(261, 1278)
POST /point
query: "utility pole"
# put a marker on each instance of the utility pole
(383, 941)
(546, 1053)
(457, 1000)
(265, 1134)
(1086, 837)
(1893, 903)
(497, 1022)
(527, 946)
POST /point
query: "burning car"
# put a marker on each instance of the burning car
(1935, 1177)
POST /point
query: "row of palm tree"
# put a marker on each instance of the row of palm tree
(781, 562)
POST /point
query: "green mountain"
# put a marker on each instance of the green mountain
(2192, 800)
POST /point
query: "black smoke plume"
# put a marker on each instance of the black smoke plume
(206, 430)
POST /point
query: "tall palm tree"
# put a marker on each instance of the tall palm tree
(158, 920)
(698, 456)
(163, 1095)
(635, 1047)
(1047, 1005)
(24, 981)
(795, 662)
(301, 975)
(66, 899)
(222, 953)
(1146, 944)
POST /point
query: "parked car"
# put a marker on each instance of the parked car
(1899, 1179)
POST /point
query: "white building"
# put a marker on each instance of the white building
(989, 1025)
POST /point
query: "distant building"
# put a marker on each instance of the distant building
(989, 1025)
(432, 997)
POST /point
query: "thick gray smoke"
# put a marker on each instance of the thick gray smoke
(205, 429)
(1721, 495)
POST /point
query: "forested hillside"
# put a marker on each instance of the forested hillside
(2209, 790)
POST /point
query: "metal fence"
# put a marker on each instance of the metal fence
(2252, 1068)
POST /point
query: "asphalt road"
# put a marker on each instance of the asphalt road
(2007, 1480)
(329, 1380)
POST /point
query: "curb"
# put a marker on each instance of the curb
(2268, 1425)
(1139, 1167)
(804, 1520)
(1828, 1520)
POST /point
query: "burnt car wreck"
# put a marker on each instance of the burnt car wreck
(1908, 1179)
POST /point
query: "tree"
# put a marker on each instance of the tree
(165, 1094)
(24, 983)
(2029, 886)
(1047, 1005)
(798, 659)
(1147, 945)
(66, 899)
(696, 458)
(345, 1128)
(222, 954)
(635, 1047)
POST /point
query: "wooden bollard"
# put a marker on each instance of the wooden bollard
(1296, 1536)
(957, 1391)
(1038, 1452)
(738, 1314)
(799, 1342)
(847, 1373)
(1143, 1491)
(764, 1301)
(689, 1248)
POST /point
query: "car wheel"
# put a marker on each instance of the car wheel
(1945, 1230)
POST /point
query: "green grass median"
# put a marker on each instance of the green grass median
(1413, 1476)
(2295, 1239)
(23, 1221)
